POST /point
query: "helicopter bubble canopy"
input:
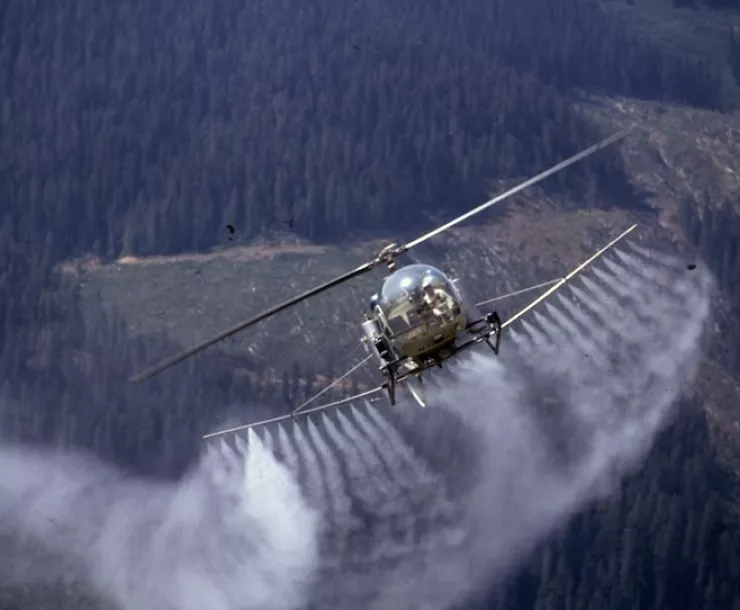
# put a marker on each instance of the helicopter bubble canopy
(417, 295)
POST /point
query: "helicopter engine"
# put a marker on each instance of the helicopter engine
(373, 336)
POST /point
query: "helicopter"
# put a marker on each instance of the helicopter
(419, 318)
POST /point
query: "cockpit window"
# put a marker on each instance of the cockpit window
(415, 295)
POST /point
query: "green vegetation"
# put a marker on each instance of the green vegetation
(155, 126)
(146, 129)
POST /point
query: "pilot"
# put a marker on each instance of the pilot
(373, 302)
(437, 298)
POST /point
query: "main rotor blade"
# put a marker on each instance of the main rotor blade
(549, 172)
(165, 364)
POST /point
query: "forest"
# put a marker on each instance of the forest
(145, 128)
(662, 543)
(119, 139)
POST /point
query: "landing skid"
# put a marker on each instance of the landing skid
(495, 329)
(390, 386)
(417, 393)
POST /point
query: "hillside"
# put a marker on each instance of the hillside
(168, 169)
(680, 155)
(677, 25)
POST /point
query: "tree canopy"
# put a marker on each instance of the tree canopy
(142, 128)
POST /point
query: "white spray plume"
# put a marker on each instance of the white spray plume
(574, 402)
(233, 535)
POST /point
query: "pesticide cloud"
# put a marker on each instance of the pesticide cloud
(422, 507)
(580, 401)
(398, 508)
(235, 534)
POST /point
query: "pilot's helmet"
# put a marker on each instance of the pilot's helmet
(427, 284)
(373, 302)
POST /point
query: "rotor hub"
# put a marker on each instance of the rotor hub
(388, 256)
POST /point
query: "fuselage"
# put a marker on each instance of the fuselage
(419, 310)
